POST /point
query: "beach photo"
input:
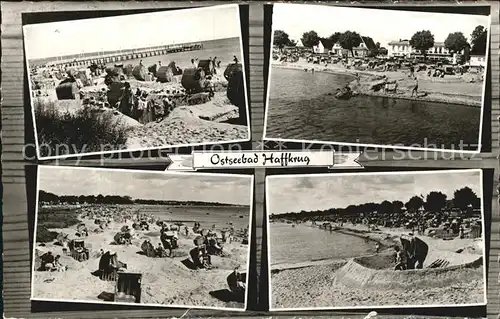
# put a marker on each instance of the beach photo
(123, 84)
(142, 237)
(405, 79)
(376, 240)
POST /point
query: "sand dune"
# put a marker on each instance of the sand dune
(191, 124)
(165, 281)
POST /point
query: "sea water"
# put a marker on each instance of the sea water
(223, 49)
(222, 217)
(300, 108)
(304, 243)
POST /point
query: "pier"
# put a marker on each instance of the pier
(86, 59)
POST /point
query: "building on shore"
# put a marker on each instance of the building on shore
(402, 48)
(324, 46)
(366, 48)
(478, 61)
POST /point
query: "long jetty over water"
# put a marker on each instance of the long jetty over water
(86, 59)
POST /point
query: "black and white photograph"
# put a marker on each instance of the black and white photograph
(376, 240)
(137, 82)
(377, 77)
(141, 237)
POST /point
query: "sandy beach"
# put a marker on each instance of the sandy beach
(185, 124)
(170, 98)
(369, 280)
(165, 281)
(200, 123)
(456, 89)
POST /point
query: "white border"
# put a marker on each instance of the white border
(290, 176)
(242, 59)
(375, 145)
(251, 184)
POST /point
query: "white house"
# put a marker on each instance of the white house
(477, 61)
(366, 47)
(323, 46)
(402, 48)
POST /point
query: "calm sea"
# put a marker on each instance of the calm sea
(299, 108)
(303, 243)
(206, 216)
(223, 49)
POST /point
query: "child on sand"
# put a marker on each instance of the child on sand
(400, 259)
(415, 88)
(57, 264)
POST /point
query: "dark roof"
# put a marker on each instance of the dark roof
(327, 43)
(370, 44)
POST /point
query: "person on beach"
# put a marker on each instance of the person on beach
(57, 264)
(235, 59)
(401, 258)
(357, 77)
(47, 261)
(159, 250)
(412, 71)
(65, 248)
(415, 87)
(113, 262)
(377, 247)
(461, 234)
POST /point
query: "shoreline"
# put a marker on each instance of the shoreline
(369, 280)
(388, 238)
(384, 242)
(368, 77)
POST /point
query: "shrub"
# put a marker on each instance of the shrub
(43, 235)
(62, 219)
(63, 133)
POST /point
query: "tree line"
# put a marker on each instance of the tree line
(420, 41)
(53, 199)
(347, 40)
(463, 199)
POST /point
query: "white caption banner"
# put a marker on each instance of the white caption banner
(263, 159)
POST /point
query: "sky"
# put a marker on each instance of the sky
(146, 185)
(381, 25)
(317, 192)
(131, 31)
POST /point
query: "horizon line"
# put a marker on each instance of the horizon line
(144, 199)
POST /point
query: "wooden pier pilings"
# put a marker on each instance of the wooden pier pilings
(125, 55)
